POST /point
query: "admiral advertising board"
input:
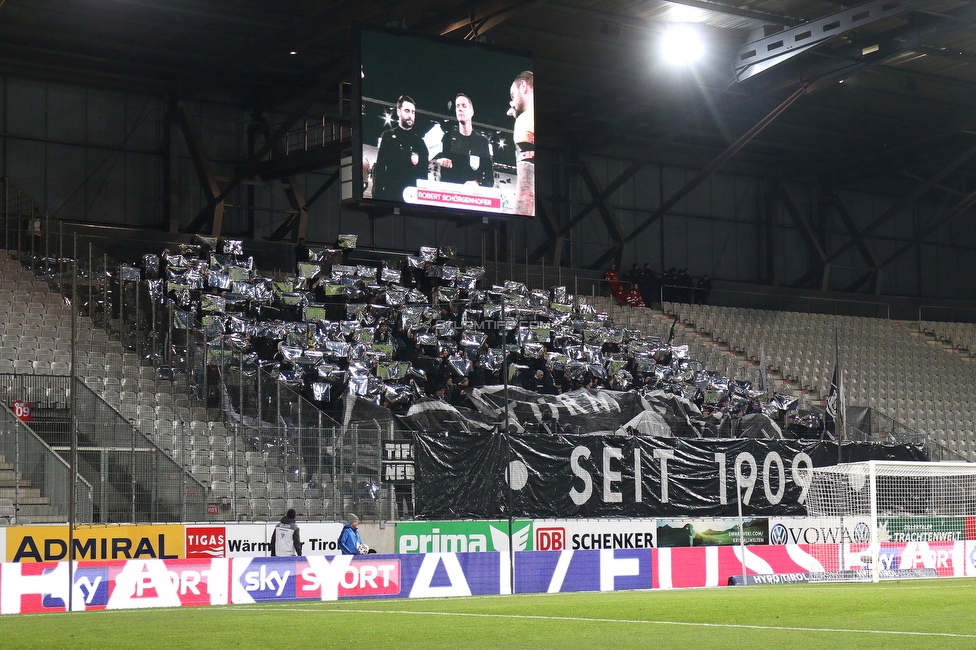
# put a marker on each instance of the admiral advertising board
(95, 542)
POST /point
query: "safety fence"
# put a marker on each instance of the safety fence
(247, 443)
(35, 481)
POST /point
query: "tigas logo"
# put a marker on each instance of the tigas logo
(205, 542)
(550, 539)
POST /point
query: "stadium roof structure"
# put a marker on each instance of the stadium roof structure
(880, 94)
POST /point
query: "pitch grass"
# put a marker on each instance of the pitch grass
(907, 614)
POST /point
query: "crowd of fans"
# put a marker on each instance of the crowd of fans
(641, 286)
(426, 329)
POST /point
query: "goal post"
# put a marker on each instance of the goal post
(898, 501)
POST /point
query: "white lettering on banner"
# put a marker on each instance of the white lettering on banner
(580, 497)
(505, 573)
(638, 487)
(321, 573)
(745, 458)
(459, 584)
(774, 497)
(723, 490)
(803, 559)
(559, 573)
(218, 582)
(14, 585)
(918, 555)
(611, 567)
(88, 588)
(663, 455)
(263, 580)
(802, 461)
(142, 584)
(752, 561)
(571, 405)
(711, 566)
(664, 580)
(773, 470)
(610, 477)
(188, 581)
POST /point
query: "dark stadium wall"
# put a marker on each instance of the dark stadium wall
(97, 156)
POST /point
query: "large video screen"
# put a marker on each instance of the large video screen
(445, 124)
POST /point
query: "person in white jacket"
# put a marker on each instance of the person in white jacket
(287, 539)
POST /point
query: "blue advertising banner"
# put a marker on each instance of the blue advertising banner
(283, 579)
(565, 571)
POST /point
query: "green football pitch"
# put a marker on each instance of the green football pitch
(904, 614)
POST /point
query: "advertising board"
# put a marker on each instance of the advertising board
(95, 542)
(539, 535)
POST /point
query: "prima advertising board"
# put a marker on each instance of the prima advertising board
(462, 536)
(538, 535)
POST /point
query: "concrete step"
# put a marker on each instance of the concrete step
(36, 510)
(41, 519)
(12, 483)
(21, 494)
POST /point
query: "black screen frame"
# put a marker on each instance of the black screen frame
(493, 110)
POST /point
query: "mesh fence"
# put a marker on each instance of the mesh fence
(176, 421)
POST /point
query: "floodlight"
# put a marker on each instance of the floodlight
(682, 45)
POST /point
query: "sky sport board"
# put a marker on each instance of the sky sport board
(433, 72)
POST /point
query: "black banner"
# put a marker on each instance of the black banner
(464, 476)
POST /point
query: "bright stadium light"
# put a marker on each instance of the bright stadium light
(682, 45)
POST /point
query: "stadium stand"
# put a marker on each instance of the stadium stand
(254, 470)
(890, 366)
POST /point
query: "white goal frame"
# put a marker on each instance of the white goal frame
(917, 496)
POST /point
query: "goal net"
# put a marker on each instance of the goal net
(891, 504)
